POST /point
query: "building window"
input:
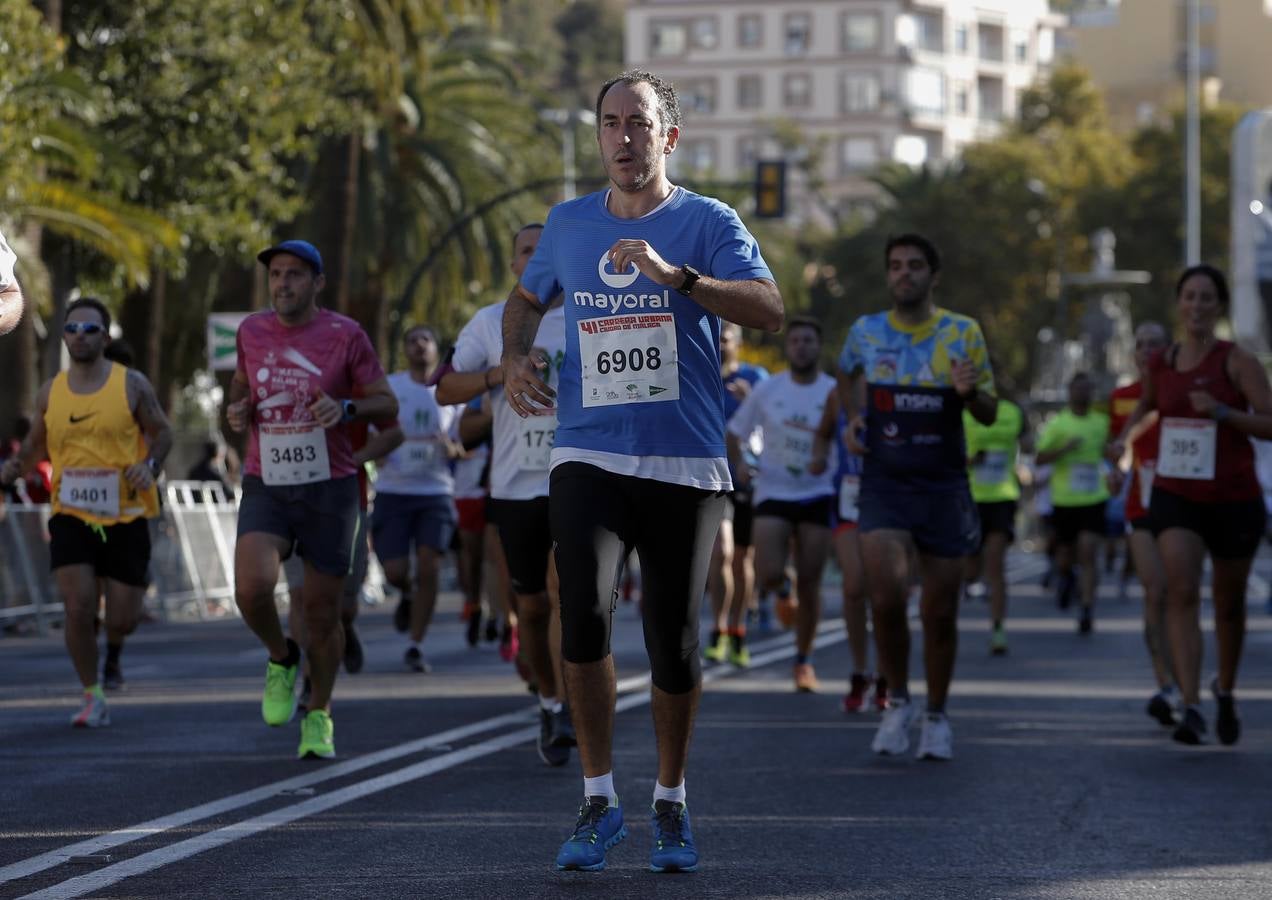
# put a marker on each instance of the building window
(750, 31)
(797, 90)
(699, 96)
(989, 41)
(989, 98)
(929, 32)
(706, 33)
(925, 89)
(667, 39)
(858, 154)
(748, 149)
(698, 155)
(860, 92)
(1020, 51)
(860, 32)
(750, 92)
(799, 30)
(962, 100)
(962, 40)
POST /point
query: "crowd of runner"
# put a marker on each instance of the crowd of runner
(602, 410)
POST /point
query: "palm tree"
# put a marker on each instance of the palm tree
(58, 157)
(446, 126)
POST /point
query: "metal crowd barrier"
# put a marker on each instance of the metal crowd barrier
(191, 558)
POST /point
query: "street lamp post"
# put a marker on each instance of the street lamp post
(567, 119)
(1192, 139)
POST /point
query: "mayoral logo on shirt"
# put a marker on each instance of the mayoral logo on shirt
(618, 280)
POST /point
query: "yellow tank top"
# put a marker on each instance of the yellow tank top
(92, 438)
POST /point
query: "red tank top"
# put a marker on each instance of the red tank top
(1143, 449)
(1235, 478)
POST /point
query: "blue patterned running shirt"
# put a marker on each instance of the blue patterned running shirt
(914, 422)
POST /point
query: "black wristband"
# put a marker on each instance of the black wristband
(485, 377)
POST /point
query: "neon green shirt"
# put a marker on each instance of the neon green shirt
(993, 476)
(1077, 477)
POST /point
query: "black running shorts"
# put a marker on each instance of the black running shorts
(599, 517)
(118, 552)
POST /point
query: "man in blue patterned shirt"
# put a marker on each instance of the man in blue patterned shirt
(906, 375)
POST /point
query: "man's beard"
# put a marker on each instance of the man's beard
(803, 369)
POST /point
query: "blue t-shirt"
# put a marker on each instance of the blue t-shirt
(914, 417)
(752, 375)
(642, 362)
(849, 463)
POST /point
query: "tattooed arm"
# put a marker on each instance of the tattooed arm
(154, 424)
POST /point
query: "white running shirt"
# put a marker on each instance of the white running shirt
(420, 466)
(787, 414)
(521, 447)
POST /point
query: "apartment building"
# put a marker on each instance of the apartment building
(877, 80)
(1135, 51)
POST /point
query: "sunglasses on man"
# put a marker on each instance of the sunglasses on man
(82, 328)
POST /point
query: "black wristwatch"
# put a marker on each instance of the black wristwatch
(691, 278)
(350, 409)
(154, 466)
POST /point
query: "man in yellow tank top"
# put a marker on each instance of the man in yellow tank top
(103, 429)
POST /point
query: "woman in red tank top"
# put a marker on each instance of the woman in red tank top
(1212, 397)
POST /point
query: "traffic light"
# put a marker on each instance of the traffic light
(770, 189)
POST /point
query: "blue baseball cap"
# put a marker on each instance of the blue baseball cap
(300, 249)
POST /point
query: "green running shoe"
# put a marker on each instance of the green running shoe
(278, 705)
(719, 651)
(740, 655)
(317, 735)
(998, 642)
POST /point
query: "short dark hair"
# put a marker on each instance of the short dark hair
(668, 104)
(516, 234)
(1215, 276)
(804, 322)
(91, 303)
(919, 242)
(414, 328)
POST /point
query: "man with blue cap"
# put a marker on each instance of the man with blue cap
(299, 368)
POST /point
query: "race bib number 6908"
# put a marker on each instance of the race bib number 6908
(629, 359)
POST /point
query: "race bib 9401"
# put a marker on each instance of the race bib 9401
(629, 359)
(94, 491)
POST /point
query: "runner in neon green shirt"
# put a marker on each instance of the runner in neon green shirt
(1074, 443)
(991, 460)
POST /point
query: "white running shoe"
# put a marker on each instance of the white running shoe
(94, 713)
(892, 738)
(936, 740)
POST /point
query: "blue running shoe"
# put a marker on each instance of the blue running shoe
(673, 841)
(600, 827)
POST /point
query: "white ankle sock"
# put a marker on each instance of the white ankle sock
(551, 704)
(601, 786)
(674, 794)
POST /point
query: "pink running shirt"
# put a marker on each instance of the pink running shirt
(286, 367)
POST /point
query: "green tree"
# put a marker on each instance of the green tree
(1008, 217)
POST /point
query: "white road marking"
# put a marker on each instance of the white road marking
(832, 632)
(763, 653)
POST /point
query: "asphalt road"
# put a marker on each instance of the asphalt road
(1061, 787)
